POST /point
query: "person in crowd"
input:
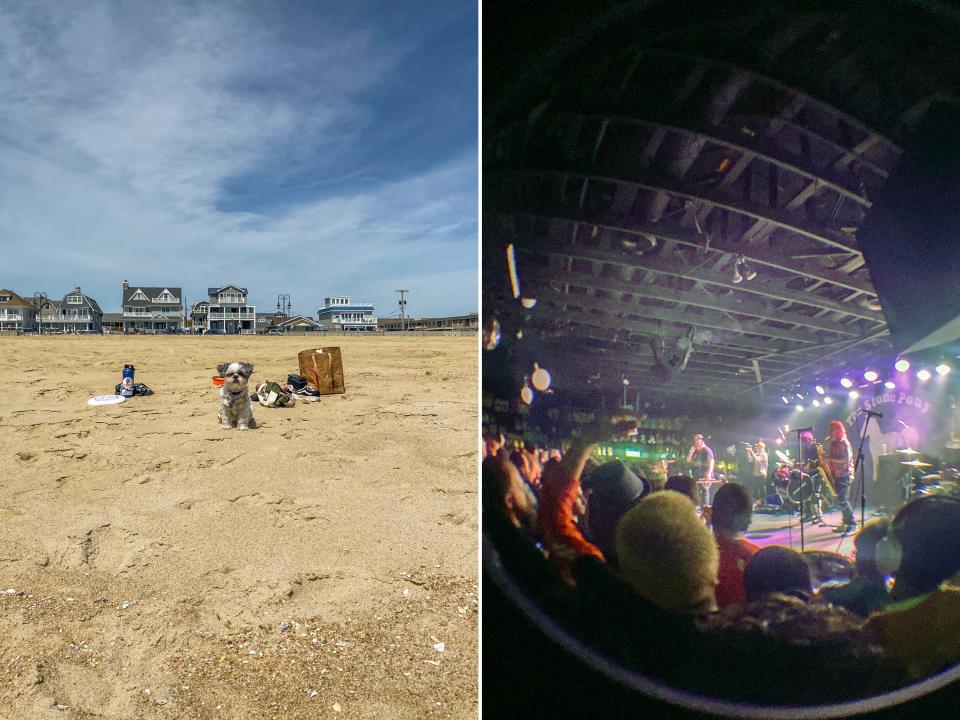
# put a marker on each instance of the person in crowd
(867, 592)
(667, 555)
(840, 458)
(921, 626)
(560, 491)
(700, 458)
(685, 485)
(777, 569)
(611, 489)
(731, 518)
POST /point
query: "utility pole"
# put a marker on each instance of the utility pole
(402, 309)
(40, 300)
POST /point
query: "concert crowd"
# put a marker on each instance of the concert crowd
(631, 568)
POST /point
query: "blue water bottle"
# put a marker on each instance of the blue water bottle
(126, 385)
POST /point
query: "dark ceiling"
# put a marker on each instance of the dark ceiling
(637, 163)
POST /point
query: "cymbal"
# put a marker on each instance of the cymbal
(916, 464)
(782, 456)
(908, 451)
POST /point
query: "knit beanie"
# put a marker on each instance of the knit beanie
(667, 555)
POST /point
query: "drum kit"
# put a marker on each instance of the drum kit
(799, 486)
(918, 481)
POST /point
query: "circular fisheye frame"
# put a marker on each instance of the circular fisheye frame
(735, 149)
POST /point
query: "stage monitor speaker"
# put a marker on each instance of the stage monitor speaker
(909, 236)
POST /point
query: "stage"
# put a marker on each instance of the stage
(784, 529)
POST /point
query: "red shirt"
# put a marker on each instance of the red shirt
(734, 555)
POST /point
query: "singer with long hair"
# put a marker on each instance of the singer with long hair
(840, 457)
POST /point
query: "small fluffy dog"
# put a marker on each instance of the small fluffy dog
(235, 409)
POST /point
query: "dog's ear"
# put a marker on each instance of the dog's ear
(222, 369)
(247, 368)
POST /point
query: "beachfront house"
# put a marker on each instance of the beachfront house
(227, 311)
(16, 313)
(77, 312)
(341, 313)
(151, 309)
(198, 316)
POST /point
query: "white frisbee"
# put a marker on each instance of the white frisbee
(106, 400)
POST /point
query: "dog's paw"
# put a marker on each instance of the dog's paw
(242, 427)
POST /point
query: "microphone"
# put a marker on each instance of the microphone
(802, 430)
(873, 413)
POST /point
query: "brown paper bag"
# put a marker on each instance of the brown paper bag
(323, 368)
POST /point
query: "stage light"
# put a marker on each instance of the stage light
(854, 394)
(923, 375)
(799, 408)
(779, 441)
(902, 365)
(737, 277)
(846, 382)
(786, 400)
(890, 385)
(799, 396)
(870, 375)
(943, 369)
(820, 390)
(748, 272)
(828, 401)
(816, 403)
(786, 428)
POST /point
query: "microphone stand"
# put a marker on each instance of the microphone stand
(799, 479)
(858, 463)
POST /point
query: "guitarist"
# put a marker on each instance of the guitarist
(840, 457)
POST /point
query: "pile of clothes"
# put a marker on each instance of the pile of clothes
(273, 394)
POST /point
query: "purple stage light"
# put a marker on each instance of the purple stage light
(870, 375)
(846, 382)
(902, 365)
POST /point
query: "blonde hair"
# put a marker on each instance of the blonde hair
(667, 555)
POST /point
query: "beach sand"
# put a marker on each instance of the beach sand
(155, 565)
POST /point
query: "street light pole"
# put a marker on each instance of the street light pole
(403, 304)
(40, 298)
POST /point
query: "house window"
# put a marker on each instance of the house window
(75, 299)
(138, 295)
(5, 298)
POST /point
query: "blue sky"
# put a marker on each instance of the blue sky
(312, 148)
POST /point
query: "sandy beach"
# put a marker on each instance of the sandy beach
(153, 564)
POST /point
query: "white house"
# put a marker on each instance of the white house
(341, 313)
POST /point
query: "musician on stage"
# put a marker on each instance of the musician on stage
(757, 455)
(840, 457)
(701, 457)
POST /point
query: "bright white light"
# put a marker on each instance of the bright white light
(854, 394)
(943, 369)
(902, 365)
(923, 375)
(828, 401)
(870, 375)
(786, 400)
(786, 428)
(816, 403)
(799, 396)
(779, 441)
(820, 390)
(846, 382)
(799, 408)
(890, 385)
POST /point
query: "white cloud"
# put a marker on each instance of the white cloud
(119, 132)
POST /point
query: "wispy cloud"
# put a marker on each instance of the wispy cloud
(230, 142)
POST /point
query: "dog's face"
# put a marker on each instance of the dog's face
(235, 375)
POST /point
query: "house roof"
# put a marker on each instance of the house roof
(15, 299)
(150, 292)
(298, 320)
(217, 291)
(88, 301)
